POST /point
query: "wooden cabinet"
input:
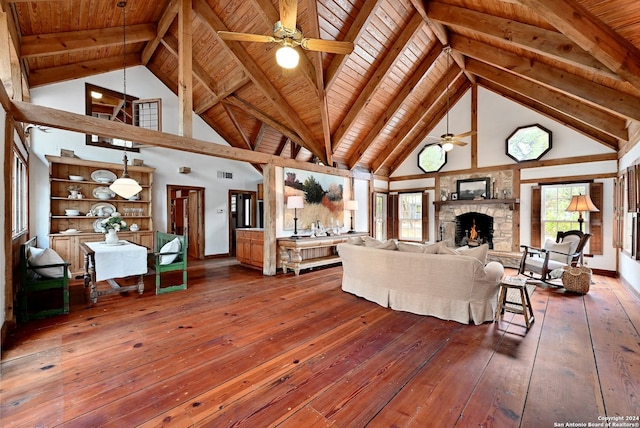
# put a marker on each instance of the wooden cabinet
(81, 174)
(250, 247)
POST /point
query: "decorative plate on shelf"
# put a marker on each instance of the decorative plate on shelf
(103, 176)
(103, 193)
(97, 225)
(103, 209)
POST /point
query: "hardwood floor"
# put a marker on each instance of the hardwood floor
(240, 349)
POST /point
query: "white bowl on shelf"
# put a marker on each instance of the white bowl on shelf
(76, 178)
(71, 212)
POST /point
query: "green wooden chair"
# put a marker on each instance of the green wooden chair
(170, 255)
(38, 282)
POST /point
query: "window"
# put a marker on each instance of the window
(20, 194)
(431, 158)
(410, 207)
(380, 216)
(555, 200)
(528, 143)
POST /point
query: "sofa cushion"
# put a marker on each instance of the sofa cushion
(355, 240)
(433, 248)
(410, 247)
(443, 249)
(370, 242)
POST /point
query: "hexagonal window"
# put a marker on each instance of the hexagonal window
(528, 143)
(431, 158)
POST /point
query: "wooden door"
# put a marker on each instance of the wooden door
(195, 234)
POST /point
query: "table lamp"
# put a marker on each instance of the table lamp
(581, 203)
(293, 203)
(352, 206)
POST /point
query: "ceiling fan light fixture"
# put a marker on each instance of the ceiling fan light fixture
(447, 147)
(287, 56)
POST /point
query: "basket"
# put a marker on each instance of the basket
(576, 278)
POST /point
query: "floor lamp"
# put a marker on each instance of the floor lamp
(581, 203)
(353, 207)
(293, 203)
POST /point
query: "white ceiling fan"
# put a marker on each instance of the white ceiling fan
(288, 35)
(448, 140)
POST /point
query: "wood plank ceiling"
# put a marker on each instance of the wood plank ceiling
(577, 61)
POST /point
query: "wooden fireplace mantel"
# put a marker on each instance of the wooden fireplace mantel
(510, 202)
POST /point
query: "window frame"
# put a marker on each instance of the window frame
(415, 223)
(20, 193)
(567, 218)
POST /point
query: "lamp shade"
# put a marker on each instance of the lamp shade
(447, 147)
(351, 205)
(295, 202)
(125, 187)
(287, 57)
(582, 203)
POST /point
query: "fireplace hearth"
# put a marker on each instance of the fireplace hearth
(474, 229)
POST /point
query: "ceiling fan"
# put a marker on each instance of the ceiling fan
(288, 35)
(448, 140)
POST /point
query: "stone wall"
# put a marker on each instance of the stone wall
(502, 221)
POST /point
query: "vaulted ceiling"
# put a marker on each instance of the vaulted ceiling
(576, 61)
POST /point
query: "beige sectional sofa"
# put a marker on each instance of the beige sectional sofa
(444, 284)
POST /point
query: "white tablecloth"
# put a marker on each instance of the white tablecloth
(118, 261)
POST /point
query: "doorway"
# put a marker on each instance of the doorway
(380, 216)
(185, 216)
(242, 214)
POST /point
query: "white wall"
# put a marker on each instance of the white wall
(628, 268)
(141, 83)
(498, 117)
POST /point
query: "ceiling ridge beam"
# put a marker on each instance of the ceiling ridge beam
(570, 84)
(594, 36)
(258, 77)
(375, 82)
(431, 116)
(75, 41)
(594, 117)
(540, 40)
(167, 18)
(393, 107)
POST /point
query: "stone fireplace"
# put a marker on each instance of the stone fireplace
(493, 222)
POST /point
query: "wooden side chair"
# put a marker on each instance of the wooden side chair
(538, 263)
(43, 274)
(170, 255)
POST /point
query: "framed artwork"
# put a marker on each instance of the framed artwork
(454, 196)
(473, 188)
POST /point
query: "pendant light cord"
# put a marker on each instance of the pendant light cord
(448, 51)
(123, 5)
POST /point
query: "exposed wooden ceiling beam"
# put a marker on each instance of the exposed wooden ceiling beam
(260, 136)
(238, 127)
(407, 134)
(74, 41)
(376, 80)
(185, 69)
(82, 69)
(258, 77)
(539, 40)
(167, 18)
(571, 85)
(40, 115)
(361, 148)
(593, 117)
(581, 26)
(551, 113)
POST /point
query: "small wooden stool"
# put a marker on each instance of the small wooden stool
(524, 304)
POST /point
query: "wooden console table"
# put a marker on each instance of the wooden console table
(307, 252)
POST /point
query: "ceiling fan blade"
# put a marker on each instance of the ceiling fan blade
(433, 138)
(245, 37)
(466, 134)
(458, 143)
(288, 13)
(330, 46)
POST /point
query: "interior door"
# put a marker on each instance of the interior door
(185, 206)
(195, 232)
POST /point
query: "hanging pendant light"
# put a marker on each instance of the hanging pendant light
(448, 145)
(125, 186)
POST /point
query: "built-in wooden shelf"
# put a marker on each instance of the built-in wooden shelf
(511, 202)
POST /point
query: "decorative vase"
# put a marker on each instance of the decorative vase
(74, 194)
(111, 237)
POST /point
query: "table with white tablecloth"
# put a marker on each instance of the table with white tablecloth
(105, 262)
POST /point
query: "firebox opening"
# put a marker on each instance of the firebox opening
(474, 229)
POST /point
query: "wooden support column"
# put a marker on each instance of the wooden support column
(185, 75)
(269, 246)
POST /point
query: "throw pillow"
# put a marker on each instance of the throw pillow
(446, 250)
(411, 248)
(172, 246)
(479, 252)
(371, 242)
(560, 247)
(44, 257)
(389, 244)
(433, 248)
(355, 240)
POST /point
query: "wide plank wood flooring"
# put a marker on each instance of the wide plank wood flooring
(240, 349)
